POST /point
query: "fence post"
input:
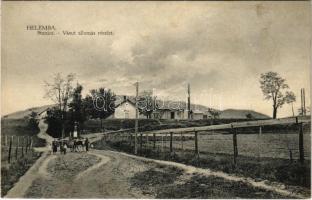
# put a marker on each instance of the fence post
(162, 143)
(234, 144)
(182, 141)
(130, 138)
(16, 150)
(26, 148)
(141, 142)
(31, 142)
(146, 142)
(10, 148)
(154, 140)
(259, 142)
(196, 144)
(171, 137)
(22, 146)
(301, 148)
(165, 141)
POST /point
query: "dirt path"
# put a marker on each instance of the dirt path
(43, 135)
(109, 174)
(278, 188)
(27, 179)
(106, 178)
(104, 160)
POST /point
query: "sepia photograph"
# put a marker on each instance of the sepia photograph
(156, 99)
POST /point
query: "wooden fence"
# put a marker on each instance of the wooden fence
(15, 147)
(158, 140)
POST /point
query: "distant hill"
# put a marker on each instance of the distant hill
(24, 113)
(241, 114)
(225, 114)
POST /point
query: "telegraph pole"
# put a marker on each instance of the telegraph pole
(303, 109)
(189, 101)
(136, 118)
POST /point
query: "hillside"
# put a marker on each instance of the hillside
(225, 114)
(24, 113)
(241, 114)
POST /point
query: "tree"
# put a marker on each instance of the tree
(214, 113)
(77, 110)
(249, 116)
(33, 121)
(60, 91)
(147, 104)
(102, 105)
(272, 86)
(290, 98)
(54, 121)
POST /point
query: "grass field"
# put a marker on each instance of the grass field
(94, 125)
(164, 184)
(265, 156)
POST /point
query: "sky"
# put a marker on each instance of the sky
(220, 48)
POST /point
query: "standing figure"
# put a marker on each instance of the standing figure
(54, 146)
(87, 144)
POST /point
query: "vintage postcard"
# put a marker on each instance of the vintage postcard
(156, 99)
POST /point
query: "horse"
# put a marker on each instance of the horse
(78, 145)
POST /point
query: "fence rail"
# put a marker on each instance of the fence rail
(15, 147)
(181, 138)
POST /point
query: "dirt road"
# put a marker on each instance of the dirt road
(107, 174)
(110, 174)
(97, 174)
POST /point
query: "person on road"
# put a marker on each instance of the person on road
(87, 144)
(54, 146)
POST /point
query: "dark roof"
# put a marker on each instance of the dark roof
(125, 100)
(163, 104)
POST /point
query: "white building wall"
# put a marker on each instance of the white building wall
(177, 114)
(197, 116)
(125, 111)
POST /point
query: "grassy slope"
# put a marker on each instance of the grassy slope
(167, 183)
(279, 170)
(10, 173)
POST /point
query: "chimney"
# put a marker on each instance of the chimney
(125, 98)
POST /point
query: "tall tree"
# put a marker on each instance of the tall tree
(77, 108)
(147, 103)
(103, 103)
(33, 120)
(273, 86)
(60, 91)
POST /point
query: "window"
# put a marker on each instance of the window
(172, 115)
(126, 114)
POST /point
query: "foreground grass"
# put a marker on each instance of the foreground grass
(168, 183)
(11, 173)
(274, 170)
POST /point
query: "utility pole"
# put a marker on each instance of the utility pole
(189, 101)
(136, 118)
(303, 109)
